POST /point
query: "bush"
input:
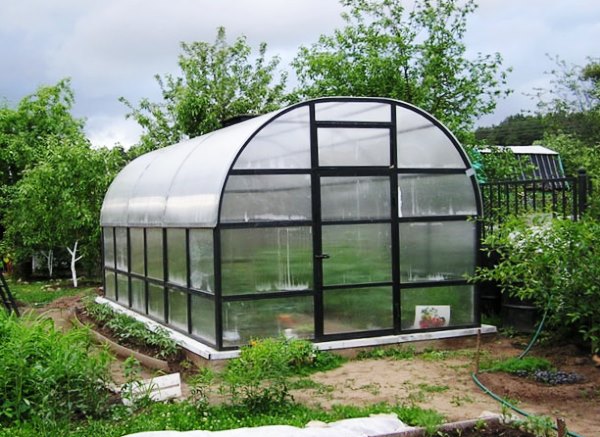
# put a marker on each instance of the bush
(556, 264)
(47, 375)
(259, 379)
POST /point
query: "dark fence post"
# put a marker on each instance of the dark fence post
(582, 191)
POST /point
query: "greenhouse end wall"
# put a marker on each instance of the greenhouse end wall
(334, 219)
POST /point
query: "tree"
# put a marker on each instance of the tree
(57, 203)
(24, 131)
(413, 55)
(514, 130)
(217, 82)
(571, 104)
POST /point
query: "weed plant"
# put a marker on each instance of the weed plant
(47, 376)
(260, 378)
(515, 365)
(131, 332)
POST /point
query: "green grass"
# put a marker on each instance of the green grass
(40, 293)
(184, 416)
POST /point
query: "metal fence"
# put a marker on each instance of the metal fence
(560, 197)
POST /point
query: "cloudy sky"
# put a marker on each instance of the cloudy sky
(113, 48)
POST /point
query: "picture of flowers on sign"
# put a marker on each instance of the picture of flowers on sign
(432, 316)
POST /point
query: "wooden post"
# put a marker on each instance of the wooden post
(561, 427)
(477, 351)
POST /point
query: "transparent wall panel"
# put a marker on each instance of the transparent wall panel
(122, 289)
(202, 259)
(176, 254)
(437, 307)
(435, 194)
(354, 147)
(421, 144)
(357, 253)
(283, 143)
(266, 260)
(353, 111)
(358, 309)
(266, 198)
(121, 247)
(136, 240)
(203, 318)
(292, 317)
(109, 285)
(109, 248)
(156, 301)
(436, 251)
(178, 309)
(355, 198)
(138, 295)
(154, 253)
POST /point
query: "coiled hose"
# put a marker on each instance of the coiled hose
(521, 356)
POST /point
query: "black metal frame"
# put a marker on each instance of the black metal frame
(316, 223)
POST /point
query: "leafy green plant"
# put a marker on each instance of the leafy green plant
(260, 378)
(132, 332)
(47, 375)
(200, 387)
(555, 264)
(396, 353)
(528, 364)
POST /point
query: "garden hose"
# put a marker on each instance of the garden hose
(521, 355)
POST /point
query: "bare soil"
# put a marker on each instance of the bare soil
(446, 385)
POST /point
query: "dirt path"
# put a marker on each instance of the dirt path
(446, 386)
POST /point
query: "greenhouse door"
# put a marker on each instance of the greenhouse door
(353, 234)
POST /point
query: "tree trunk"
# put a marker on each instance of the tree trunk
(49, 261)
(74, 259)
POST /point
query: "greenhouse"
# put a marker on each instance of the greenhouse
(332, 219)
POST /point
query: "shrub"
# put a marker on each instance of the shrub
(260, 378)
(555, 264)
(47, 375)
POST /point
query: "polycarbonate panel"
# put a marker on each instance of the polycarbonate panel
(180, 185)
(259, 260)
(283, 143)
(178, 315)
(176, 255)
(435, 194)
(154, 253)
(109, 285)
(258, 198)
(357, 309)
(138, 295)
(243, 321)
(354, 147)
(122, 289)
(202, 267)
(136, 240)
(353, 111)
(121, 248)
(421, 144)
(116, 202)
(436, 251)
(156, 301)
(109, 247)
(355, 198)
(437, 307)
(203, 318)
(357, 253)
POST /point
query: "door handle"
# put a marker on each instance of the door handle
(322, 256)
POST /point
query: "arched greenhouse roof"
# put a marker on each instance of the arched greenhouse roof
(182, 185)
